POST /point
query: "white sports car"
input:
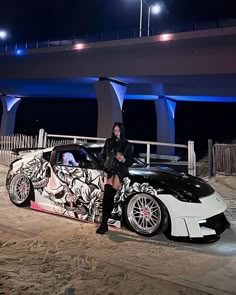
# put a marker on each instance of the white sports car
(67, 180)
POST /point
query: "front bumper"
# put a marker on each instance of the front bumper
(218, 223)
(197, 220)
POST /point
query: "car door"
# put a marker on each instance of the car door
(79, 184)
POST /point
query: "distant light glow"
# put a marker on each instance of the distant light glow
(3, 34)
(166, 37)
(79, 46)
(19, 52)
(228, 248)
(156, 8)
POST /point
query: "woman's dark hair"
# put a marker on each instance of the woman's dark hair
(122, 131)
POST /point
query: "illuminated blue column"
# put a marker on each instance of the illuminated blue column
(165, 115)
(9, 106)
(110, 96)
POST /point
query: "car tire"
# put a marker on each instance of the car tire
(21, 190)
(146, 215)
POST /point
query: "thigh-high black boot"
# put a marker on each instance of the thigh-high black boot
(107, 207)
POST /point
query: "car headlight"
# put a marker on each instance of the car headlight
(185, 196)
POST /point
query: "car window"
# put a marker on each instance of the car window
(69, 158)
(138, 162)
(96, 151)
(75, 158)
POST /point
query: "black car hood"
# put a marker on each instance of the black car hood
(172, 181)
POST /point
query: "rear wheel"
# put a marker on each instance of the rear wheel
(21, 190)
(146, 215)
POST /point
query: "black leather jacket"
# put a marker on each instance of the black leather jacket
(110, 149)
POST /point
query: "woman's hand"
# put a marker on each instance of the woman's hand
(120, 157)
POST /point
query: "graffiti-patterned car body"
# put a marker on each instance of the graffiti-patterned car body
(67, 180)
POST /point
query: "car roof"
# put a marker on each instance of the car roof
(27, 152)
(74, 145)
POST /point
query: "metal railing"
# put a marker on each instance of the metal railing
(119, 35)
(44, 137)
(43, 140)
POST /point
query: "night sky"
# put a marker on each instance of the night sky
(29, 20)
(55, 19)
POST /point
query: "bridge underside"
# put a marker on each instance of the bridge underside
(218, 88)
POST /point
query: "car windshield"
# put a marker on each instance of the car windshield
(138, 161)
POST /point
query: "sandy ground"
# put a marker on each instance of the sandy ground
(46, 254)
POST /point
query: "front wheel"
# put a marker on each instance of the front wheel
(20, 190)
(146, 215)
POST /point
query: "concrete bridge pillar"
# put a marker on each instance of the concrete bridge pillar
(9, 105)
(165, 114)
(110, 96)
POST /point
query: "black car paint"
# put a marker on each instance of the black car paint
(178, 184)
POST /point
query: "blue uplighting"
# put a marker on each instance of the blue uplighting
(171, 107)
(202, 98)
(120, 92)
(141, 97)
(19, 52)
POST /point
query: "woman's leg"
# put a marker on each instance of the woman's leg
(108, 180)
(116, 182)
(110, 188)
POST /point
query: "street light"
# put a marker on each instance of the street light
(155, 9)
(3, 34)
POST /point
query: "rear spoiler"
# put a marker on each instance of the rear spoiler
(23, 151)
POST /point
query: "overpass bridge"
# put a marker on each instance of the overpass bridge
(166, 68)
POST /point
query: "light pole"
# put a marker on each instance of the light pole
(141, 17)
(155, 9)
